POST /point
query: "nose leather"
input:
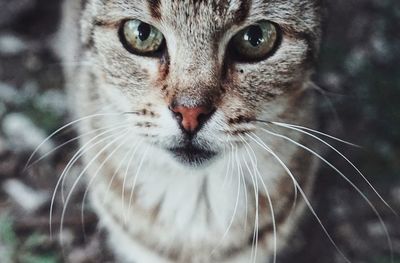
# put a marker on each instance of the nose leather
(192, 118)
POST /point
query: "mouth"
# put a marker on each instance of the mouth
(192, 155)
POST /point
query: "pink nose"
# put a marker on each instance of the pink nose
(191, 118)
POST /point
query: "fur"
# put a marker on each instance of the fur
(155, 208)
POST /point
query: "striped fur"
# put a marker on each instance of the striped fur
(177, 213)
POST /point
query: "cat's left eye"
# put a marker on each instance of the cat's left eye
(255, 42)
(141, 38)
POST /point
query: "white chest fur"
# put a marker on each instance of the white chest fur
(191, 214)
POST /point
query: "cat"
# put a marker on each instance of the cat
(185, 111)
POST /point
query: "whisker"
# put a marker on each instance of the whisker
(68, 142)
(241, 175)
(235, 208)
(67, 169)
(349, 162)
(265, 147)
(228, 167)
(228, 163)
(389, 240)
(125, 178)
(294, 185)
(117, 170)
(332, 93)
(62, 128)
(228, 173)
(95, 176)
(232, 167)
(329, 101)
(76, 156)
(79, 178)
(267, 195)
(254, 245)
(136, 176)
(315, 131)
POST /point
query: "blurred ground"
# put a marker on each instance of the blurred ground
(358, 70)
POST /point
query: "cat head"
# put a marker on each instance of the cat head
(195, 75)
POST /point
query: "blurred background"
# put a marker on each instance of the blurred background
(359, 75)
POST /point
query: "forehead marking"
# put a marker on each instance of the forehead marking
(154, 6)
(243, 11)
(240, 8)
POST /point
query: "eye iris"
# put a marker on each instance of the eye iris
(255, 42)
(254, 36)
(141, 38)
(144, 31)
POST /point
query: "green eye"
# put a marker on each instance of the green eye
(255, 42)
(141, 38)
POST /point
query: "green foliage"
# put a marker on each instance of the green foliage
(8, 239)
(386, 260)
(30, 258)
(21, 250)
(44, 118)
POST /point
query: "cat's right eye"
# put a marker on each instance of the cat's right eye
(255, 42)
(141, 38)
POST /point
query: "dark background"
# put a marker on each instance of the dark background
(358, 72)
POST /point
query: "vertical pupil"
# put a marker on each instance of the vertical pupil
(144, 31)
(254, 35)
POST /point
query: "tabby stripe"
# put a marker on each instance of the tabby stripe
(88, 44)
(154, 6)
(311, 40)
(243, 12)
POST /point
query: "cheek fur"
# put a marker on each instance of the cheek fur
(171, 201)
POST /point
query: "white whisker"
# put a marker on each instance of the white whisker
(76, 156)
(64, 127)
(264, 146)
(254, 245)
(117, 170)
(235, 208)
(136, 176)
(79, 178)
(68, 142)
(268, 197)
(125, 178)
(241, 175)
(348, 161)
(330, 103)
(97, 173)
(345, 178)
(315, 131)
(67, 169)
(228, 167)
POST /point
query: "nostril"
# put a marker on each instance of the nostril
(192, 118)
(203, 117)
(178, 116)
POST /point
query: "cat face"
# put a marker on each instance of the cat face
(195, 75)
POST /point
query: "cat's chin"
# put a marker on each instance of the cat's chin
(191, 155)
